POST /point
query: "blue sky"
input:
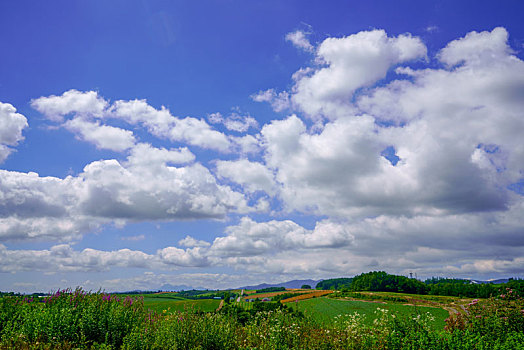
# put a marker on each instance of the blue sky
(223, 143)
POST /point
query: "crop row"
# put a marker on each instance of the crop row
(314, 294)
(271, 294)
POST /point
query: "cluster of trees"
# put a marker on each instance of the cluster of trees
(381, 281)
(384, 282)
(334, 283)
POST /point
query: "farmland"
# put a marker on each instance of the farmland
(326, 310)
(306, 296)
(270, 294)
(179, 304)
(81, 320)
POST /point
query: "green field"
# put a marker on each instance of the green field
(172, 302)
(403, 297)
(205, 305)
(324, 310)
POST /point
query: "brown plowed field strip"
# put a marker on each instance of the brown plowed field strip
(315, 294)
(270, 295)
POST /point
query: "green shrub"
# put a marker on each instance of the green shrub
(69, 317)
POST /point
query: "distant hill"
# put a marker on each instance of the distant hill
(499, 281)
(178, 288)
(289, 284)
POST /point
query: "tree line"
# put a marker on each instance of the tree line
(380, 281)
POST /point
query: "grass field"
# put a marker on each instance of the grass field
(172, 302)
(325, 309)
(411, 298)
(159, 304)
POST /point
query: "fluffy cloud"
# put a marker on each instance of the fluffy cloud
(145, 187)
(102, 136)
(455, 132)
(64, 228)
(251, 238)
(247, 144)
(11, 126)
(397, 244)
(482, 246)
(324, 173)
(191, 242)
(134, 192)
(477, 49)
(146, 155)
(71, 102)
(162, 124)
(347, 64)
(179, 257)
(27, 195)
(251, 175)
(62, 258)
(34, 207)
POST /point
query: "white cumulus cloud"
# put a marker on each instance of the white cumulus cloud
(102, 136)
(162, 124)
(71, 102)
(252, 176)
(349, 63)
(11, 126)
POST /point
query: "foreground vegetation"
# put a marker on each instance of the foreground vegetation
(76, 319)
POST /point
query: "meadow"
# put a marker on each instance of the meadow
(75, 319)
(327, 311)
(167, 302)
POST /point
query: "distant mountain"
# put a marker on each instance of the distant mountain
(172, 288)
(289, 284)
(499, 281)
